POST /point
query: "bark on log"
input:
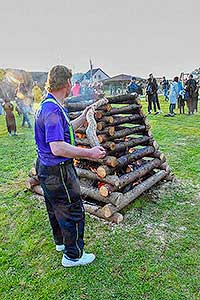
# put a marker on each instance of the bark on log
(38, 190)
(122, 99)
(78, 106)
(74, 115)
(128, 119)
(103, 171)
(137, 154)
(93, 193)
(127, 131)
(123, 110)
(158, 154)
(91, 129)
(124, 160)
(96, 211)
(32, 182)
(108, 119)
(112, 179)
(109, 209)
(82, 142)
(122, 146)
(124, 180)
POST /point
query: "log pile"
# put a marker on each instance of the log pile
(133, 163)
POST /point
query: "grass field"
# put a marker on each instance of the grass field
(154, 254)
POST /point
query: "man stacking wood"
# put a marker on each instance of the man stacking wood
(55, 139)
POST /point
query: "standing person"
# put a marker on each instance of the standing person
(152, 90)
(25, 109)
(190, 88)
(149, 93)
(133, 87)
(181, 94)
(1, 107)
(165, 87)
(10, 118)
(196, 96)
(173, 97)
(55, 139)
(76, 89)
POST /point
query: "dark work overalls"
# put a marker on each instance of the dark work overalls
(64, 205)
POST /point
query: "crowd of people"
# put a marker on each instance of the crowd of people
(179, 92)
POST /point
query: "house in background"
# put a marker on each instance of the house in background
(94, 75)
(118, 84)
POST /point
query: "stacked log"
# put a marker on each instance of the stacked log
(133, 163)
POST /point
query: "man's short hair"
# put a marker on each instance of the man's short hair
(133, 78)
(57, 78)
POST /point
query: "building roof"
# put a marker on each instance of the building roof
(87, 75)
(120, 77)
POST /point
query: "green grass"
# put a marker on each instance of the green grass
(154, 254)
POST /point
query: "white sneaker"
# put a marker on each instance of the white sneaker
(60, 248)
(85, 259)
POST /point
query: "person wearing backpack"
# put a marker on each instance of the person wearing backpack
(133, 87)
(56, 148)
(190, 88)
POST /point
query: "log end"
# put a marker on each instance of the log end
(101, 172)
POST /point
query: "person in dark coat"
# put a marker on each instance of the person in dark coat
(10, 118)
(190, 88)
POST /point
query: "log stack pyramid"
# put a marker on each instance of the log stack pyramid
(133, 163)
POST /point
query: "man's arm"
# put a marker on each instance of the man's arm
(61, 148)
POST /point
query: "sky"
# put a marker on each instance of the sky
(130, 37)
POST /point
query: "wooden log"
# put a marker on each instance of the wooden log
(124, 160)
(158, 154)
(32, 182)
(110, 130)
(124, 180)
(91, 129)
(165, 167)
(93, 193)
(112, 179)
(137, 154)
(103, 171)
(103, 137)
(109, 209)
(122, 146)
(79, 98)
(32, 172)
(122, 99)
(107, 119)
(123, 110)
(74, 115)
(127, 119)
(96, 211)
(98, 115)
(128, 131)
(105, 107)
(78, 106)
(82, 142)
(38, 190)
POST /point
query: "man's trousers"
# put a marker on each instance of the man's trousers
(64, 205)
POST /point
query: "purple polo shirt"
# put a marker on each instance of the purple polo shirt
(50, 126)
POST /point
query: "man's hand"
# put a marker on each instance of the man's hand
(97, 152)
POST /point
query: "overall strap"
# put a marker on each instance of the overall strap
(71, 133)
